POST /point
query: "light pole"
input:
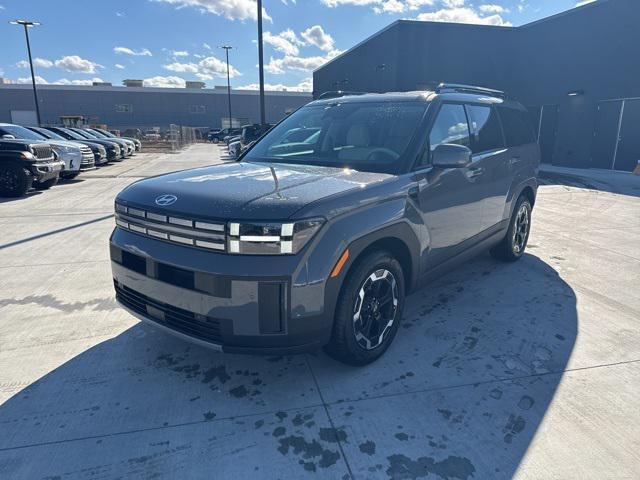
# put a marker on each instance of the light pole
(260, 63)
(227, 48)
(26, 24)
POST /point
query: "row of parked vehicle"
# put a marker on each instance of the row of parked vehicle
(238, 139)
(38, 157)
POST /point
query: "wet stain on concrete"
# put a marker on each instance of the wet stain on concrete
(515, 424)
(208, 416)
(452, 467)
(368, 447)
(239, 391)
(312, 453)
(333, 435)
(526, 402)
(403, 437)
(279, 431)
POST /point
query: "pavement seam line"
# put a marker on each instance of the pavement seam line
(326, 409)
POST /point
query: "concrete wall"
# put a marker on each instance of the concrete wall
(592, 49)
(150, 106)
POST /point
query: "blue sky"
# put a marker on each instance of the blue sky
(166, 42)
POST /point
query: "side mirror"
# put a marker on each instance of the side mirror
(449, 155)
(8, 137)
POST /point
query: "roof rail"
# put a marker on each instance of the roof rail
(337, 94)
(456, 87)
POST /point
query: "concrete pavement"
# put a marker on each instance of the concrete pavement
(528, 370)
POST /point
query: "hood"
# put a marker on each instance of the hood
(62, 143)
(246, 190)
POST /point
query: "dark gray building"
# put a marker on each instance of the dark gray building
(142, 107)
(577, 72)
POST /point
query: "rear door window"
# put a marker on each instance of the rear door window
(486, 132)
(517, 127)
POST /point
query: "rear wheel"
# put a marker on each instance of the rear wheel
(70, 176)
(14, 181)
(514, 243)
(368, 311)
(46, 184)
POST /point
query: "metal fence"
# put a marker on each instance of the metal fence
(180, 137)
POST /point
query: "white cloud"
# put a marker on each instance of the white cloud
(119, 66)
(37, 62)
(389, 6)
(39, 80)
(462, 15)
(316, 36)
(278, 66)
(286, 42)
(165, 82)
(231, 9)
(304, 86)
(584, 2)
(490, 8)
(65, 81)
(120, 14)
(144, 52)
(453, 3)
(205, 69)
(206, 46)
(74, 63)
(179, 53)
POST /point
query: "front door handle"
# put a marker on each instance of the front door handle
(475, 172)
(414, 192)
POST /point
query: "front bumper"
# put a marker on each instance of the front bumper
(46, 170)
(226, 302)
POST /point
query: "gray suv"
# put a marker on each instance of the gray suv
(316, 242)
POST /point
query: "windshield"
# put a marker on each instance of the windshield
(48, 134)
(72, 134)
(95, 133)
(22, 133)
(84, 134)
(367, 136)
(105, 133)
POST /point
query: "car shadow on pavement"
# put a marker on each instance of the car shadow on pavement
(459, 395)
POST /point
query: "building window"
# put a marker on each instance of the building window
(124, 108)
(197, 109)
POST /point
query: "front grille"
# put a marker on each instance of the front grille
(182, 231)
(87, 157)
(183, 321)
(42, 151)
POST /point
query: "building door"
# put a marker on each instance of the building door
(605, 136)
(628, 152)
(27, 118)
(547, 131)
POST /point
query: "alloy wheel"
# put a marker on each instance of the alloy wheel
(520, 229)
(375, 309)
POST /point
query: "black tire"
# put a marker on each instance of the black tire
(70, 176)
(47, 184)
(343, 345)
(512, 247)
(14, 181)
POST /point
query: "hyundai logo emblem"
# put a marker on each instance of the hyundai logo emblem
(166, 200)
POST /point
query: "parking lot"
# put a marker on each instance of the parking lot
(528, 370)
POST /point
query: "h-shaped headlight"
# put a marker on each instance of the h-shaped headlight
(271, 238)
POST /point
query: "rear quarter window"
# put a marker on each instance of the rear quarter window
(517, 127)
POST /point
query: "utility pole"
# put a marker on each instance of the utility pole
(227, 48)
(261, 64)
(27, 24)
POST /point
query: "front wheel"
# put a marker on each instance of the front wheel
(514, 243)
(14, 181)
(368, 311)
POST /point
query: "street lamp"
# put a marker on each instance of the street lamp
(260, 63)
(227, 48)
(26, 24)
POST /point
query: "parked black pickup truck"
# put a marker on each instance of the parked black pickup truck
(24, 164)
